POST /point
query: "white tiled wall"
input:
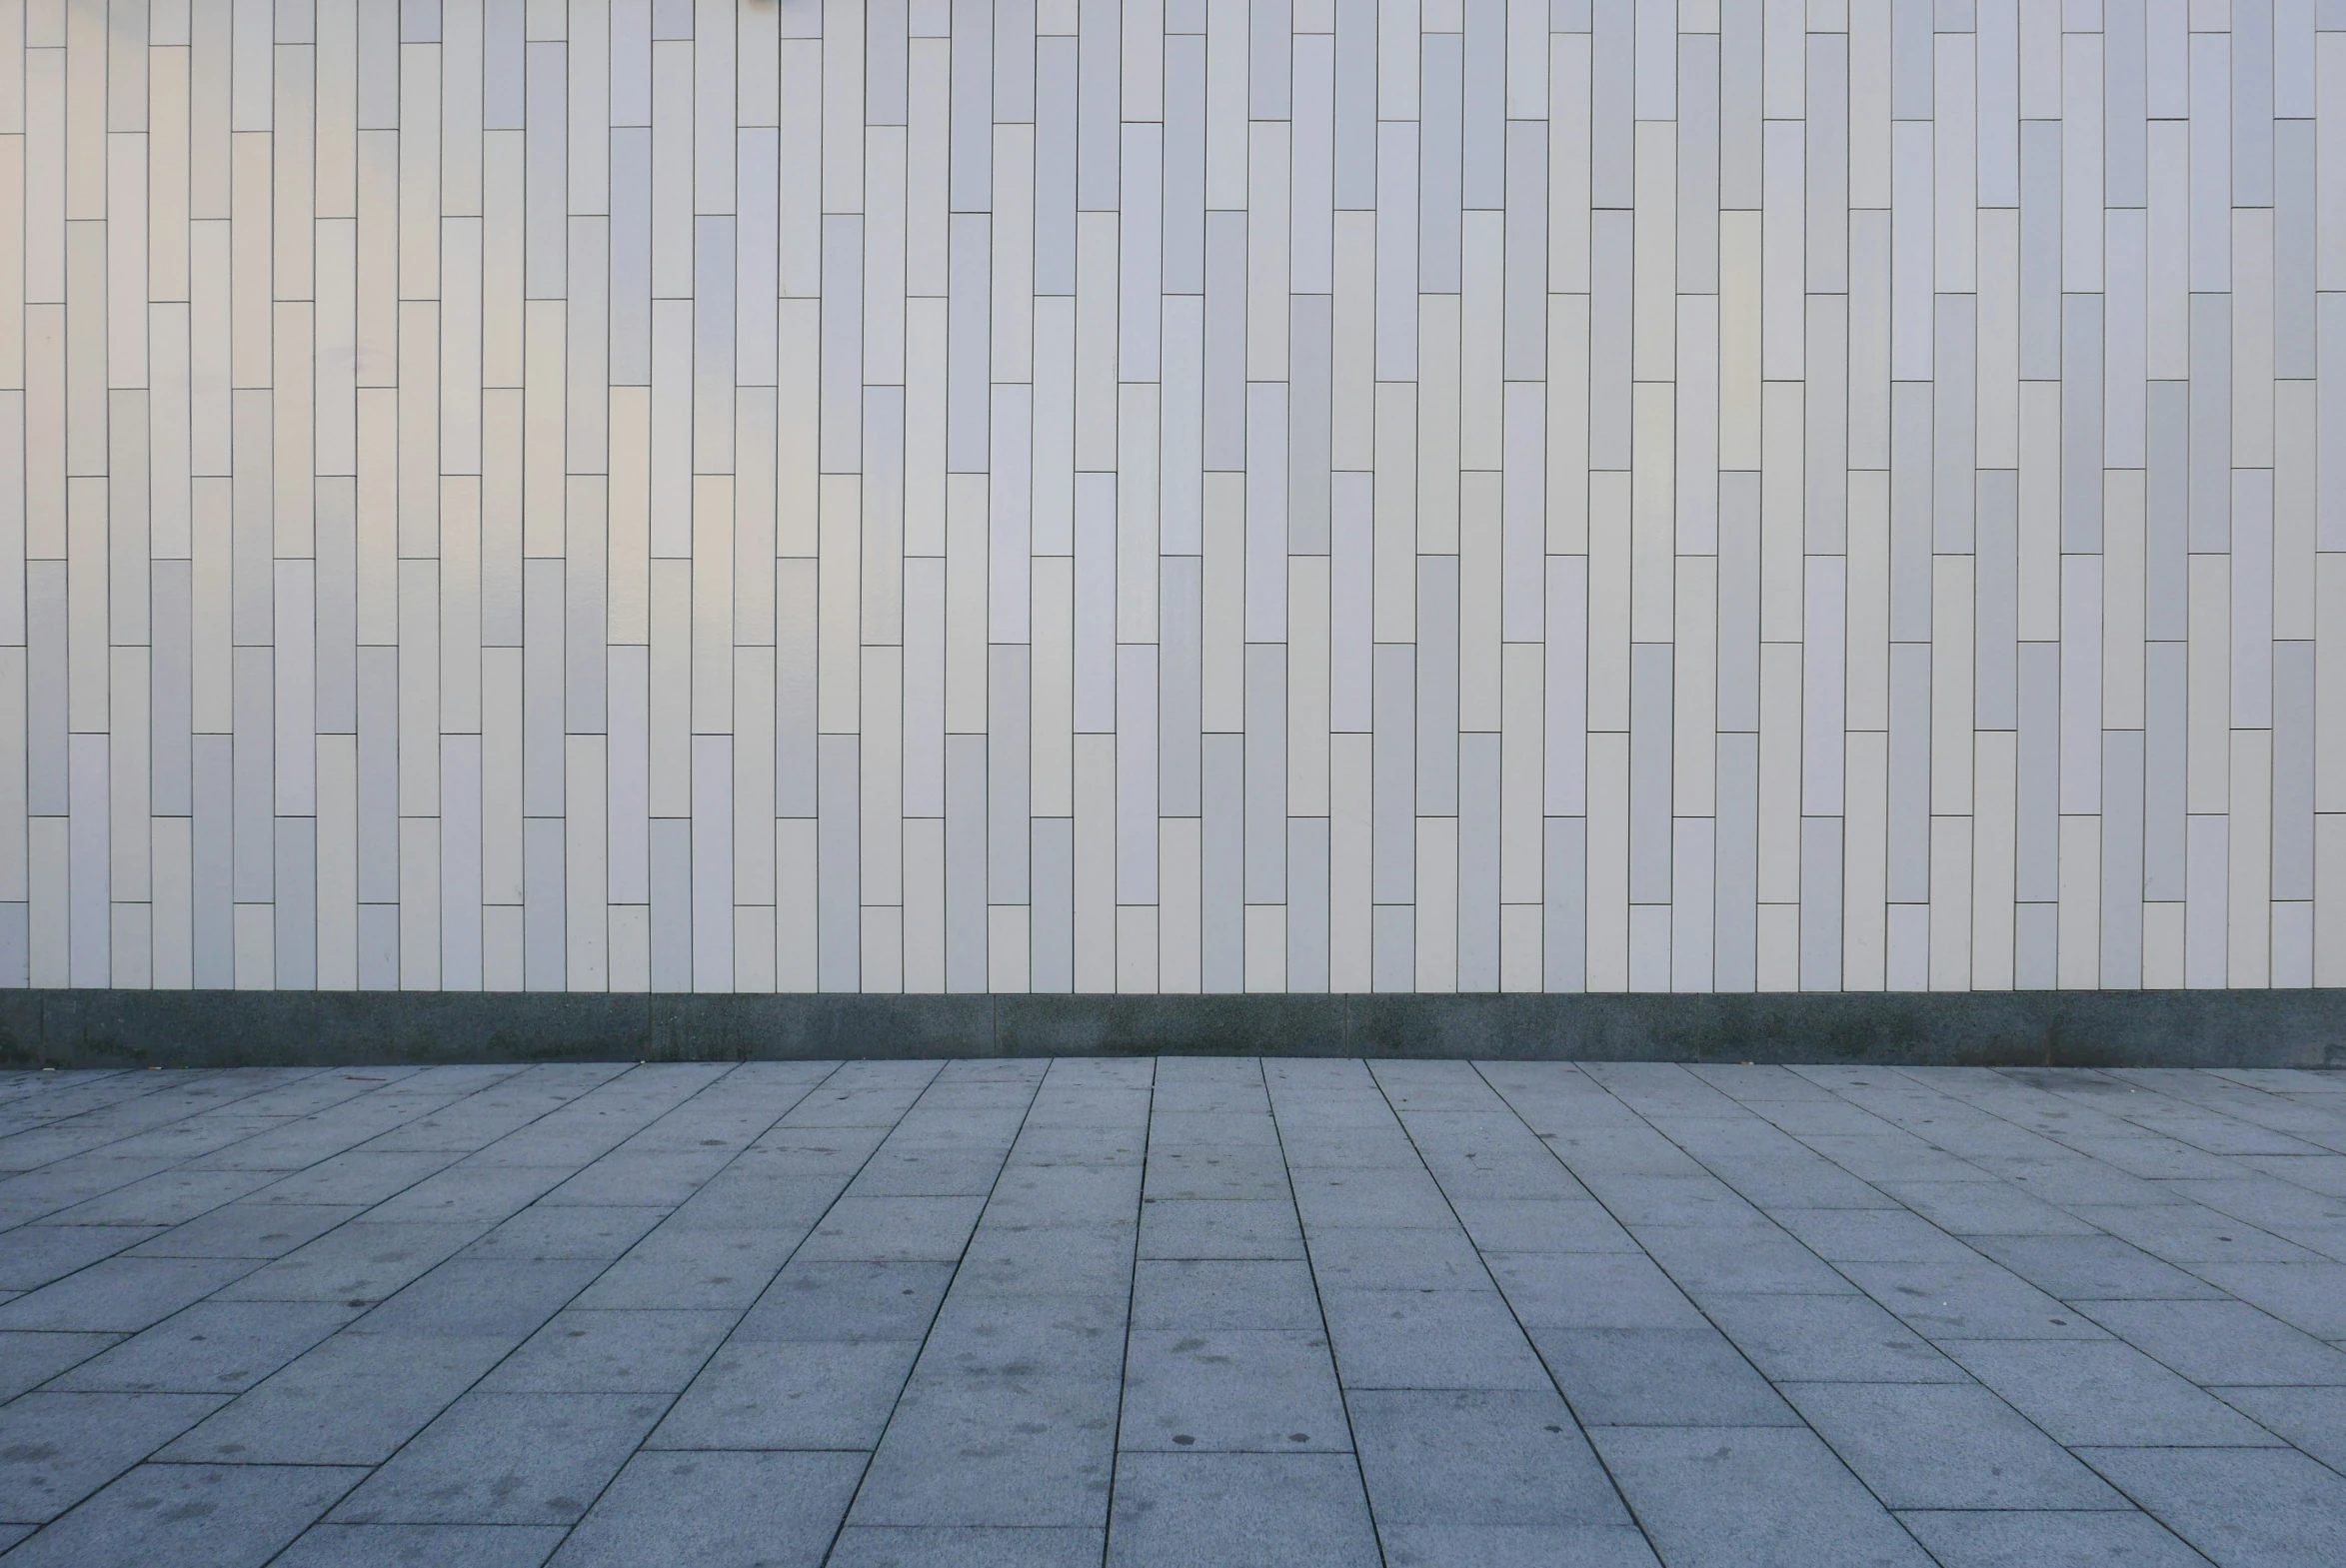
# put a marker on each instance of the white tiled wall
(1172, 495)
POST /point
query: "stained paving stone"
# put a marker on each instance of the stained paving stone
(213, 1347)
(715, 1510)
(422, 1546)
(57, 1448)
(2043, 1538)
(1197, 1310)
(191, 1516)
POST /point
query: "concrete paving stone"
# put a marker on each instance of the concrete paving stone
(989, 1336)
(1750, 1084)
(1991, 1208)
(1230, 1390)
(251, 1230)
(894, 1230)
(212, 1347)
(1532, 1176)
(1295, 1510)
(506, 1459)
(1750, 1497)
(1659, 1377)
(756, 1199)
(1013, 1259)
(2044, 1538)
(1247, 1229)
(717, 1510)
(847, 1301)
(2101, 1268)
(2149, 1156)
(1032, 1194)
(1063, 1103)
(1369, 1258)
(1210, 1114)
(802, 1393)
(120, 1295)
(1515, 1546)
(605, 1352)
(33, 1255)
(928, 1172)
(2103, 1391)
(357, 1262)
(808, 1153)
(2193, 1233)
(30, 1358)
(1036, 1449)
(1980, 1300)
(918, 1546)
(2069, 1180)
(355, 1176)
(470, 1297)
(1374, 1199)
(945, 1127)
(1590, 1290)
(674, 1267)
(2323, 1173)
(2310, 1296)
(1346, 1146)
(1210, 1171)
(2214, 1342)
(1874, 1237)
(1741, 1260)
(2314, 1419)
(1827, 1339)
(2225, 1134)
(2080, 1196)
(192, 1516)
(1599, 1135)
(352, 1400)
(170, 1197)
(2241, 1507)
(1637, 1201)
(1049, 1145)
(1945, 1445)
(477, 1194)
(1541, 1225)
(1483, 1128)
(1429, 1339)
(1212, 1295)
(464, 1127)
(1431, 1086)
(1785, 1186)
(58, 1448)
(34, 1194)
(545, 1232)
(855, 1107)
(422, 1546)
(1891, 1155)
(1513, 1457)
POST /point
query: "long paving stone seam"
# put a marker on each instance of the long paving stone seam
(1192, 1311)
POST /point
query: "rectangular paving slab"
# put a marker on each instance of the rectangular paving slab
(1183, 1311)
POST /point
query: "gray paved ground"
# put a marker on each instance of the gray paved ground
(1189, 1312)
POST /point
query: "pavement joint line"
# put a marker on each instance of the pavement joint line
(583, 1288)
(812, 1088)
(1131, 1299)
(1514, 1316)
(912, 1367)
(1319, 1303)
(2100, 1148)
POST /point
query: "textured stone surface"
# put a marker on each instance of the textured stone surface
(1173, 1311)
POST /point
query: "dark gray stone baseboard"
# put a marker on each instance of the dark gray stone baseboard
(2201, 1029)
